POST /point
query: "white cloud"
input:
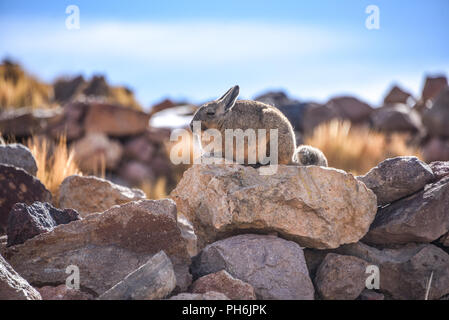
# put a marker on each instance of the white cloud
(193, 42)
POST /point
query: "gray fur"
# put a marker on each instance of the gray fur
(228, 113)
(308, 156)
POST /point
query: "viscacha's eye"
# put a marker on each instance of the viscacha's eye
(210, 112)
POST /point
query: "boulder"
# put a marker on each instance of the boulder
(436, 118)
(211, 295)
(350, 108)
(25, 221)
(96, 151)
(314, 206)
(19, 156)
(62, 292)
(273, 266)
(440, 169)
(153, 280)
(89, 194)
(421, 217)
(405, 271)
(275, 98)
(24, 122)
(17, 185)
(115, 120)
(397, 95)
(13, 286)
(433, 87)
(106, 247)
(436, 149)
(340, 277)
(223, 282)
(396, 118)
(398, 177)
(71, 125)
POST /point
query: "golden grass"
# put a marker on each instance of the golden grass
(18, 89)
(123, 97)
(54, 161)
(358, 149)
(155, 191)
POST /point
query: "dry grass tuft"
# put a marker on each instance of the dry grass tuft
(155, 191)
(54, 161)
(358, 149)
(18, 89)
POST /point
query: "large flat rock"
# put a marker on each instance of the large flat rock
(314, 206)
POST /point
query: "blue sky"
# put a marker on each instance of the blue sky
(195, 50)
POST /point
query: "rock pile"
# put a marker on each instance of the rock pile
(231, 233)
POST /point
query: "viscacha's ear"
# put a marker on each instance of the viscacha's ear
(229, 98)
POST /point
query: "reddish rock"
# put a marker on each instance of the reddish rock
(115, 120)
(433, 87)
(223, 282)
(16, 185)
(25, 221)
(62, 292)
(71, 124)
(397, 95)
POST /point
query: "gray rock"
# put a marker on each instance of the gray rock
(340, 277)
(19, 156)
(274, 267)
(153, 280)
(405, 270)
(17, 185)
(440, 169)
(13, 286)
(25, 221)
(395, 178)
(211, 295)
(396, 117)
(421, 217)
